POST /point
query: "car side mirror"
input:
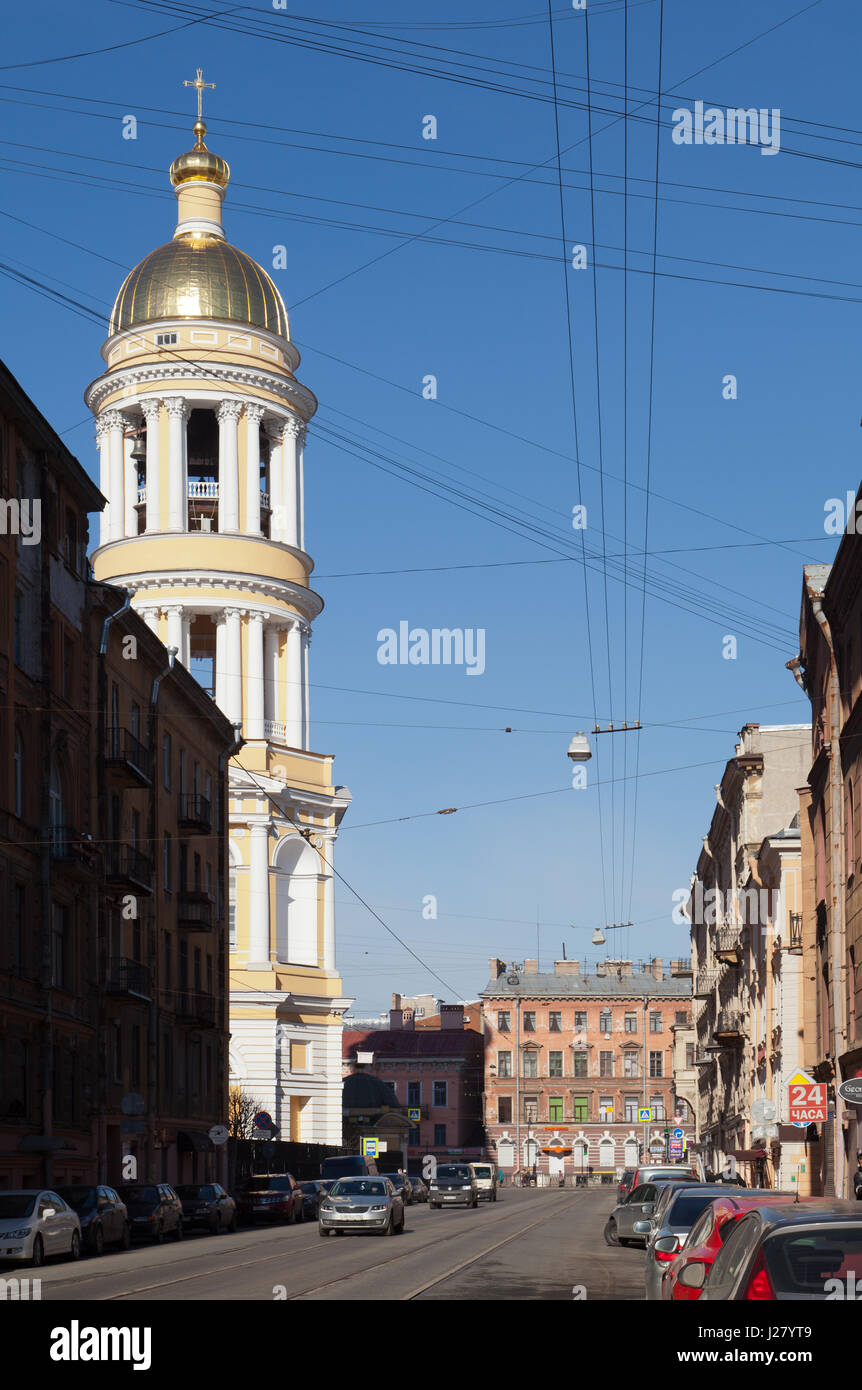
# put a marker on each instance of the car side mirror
(50, 1211)
(648, 1208)
(641, 1228)
(693, 1275)
(666, 1245)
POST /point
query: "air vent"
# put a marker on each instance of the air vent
(512, 980)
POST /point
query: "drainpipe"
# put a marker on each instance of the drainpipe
(836, 926)
(518, 1080)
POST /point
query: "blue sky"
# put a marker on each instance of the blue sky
(325, 151)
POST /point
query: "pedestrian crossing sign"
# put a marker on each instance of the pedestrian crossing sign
(644, 1115)
(414, 1115)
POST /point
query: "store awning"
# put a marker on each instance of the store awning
(748, 1155)
(193, 1141)
(43, 1144)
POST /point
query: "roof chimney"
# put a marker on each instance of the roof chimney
(495, 967)
(567, 967)
(531, 967)
(657, 968)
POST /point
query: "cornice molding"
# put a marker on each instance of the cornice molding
(309, 603)
(218, 375)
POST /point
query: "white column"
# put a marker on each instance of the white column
(186, 644)
(103, 437)
(130, 475)
(151, 410)
(228, 466)
(294, 685)
(290, 448)
(300, 487)
(233, 666)
(253, 417)
(270, 667)
(151, 618)
(254, 680)
(258, 936)
(175, 631)
(178, 513)
(329, 909)
(276, 484)
(220, 651)
(115, 426)
(306, 695)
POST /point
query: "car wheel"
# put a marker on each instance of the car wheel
(75, 1247)
(475, 1202)
(291, 1215)
(126, 1241)
(179, 1232)
(493, 1196)
(158, 1235)
(321, 1231)
(215, 1225)
(611, 1237)
(435, 1206)
(37, 1259)
(232, 1225)
(97, 1242)
(389, 1229)
(399, 1230)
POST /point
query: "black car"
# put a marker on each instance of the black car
(313, 1192)
(270, 1197)
(154, 1209)
(453, 1185)
(103, 1216)
(208, 1206)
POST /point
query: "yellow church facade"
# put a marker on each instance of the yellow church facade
(200, 422)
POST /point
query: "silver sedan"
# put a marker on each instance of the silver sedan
(362, 1205)
(36, 1223)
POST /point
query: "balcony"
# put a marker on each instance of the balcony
(194, 1007)
(129, 979)
(194, 813)
(729, 1027)
(275, 731)
(728, 945)
(126, 758)
(795, 947)
(195, 911)
(703, 1057)
(126, 866)
(72, 847)
(705, 984)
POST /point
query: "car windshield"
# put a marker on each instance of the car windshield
(79, 1198)
(138, 1194)
(452, 1170)
(482, 1171)
(802, 1262)
(14, 1204)
(194, 1190)
(309, 1187)
(687, 1206)
(342, 1167)
(359, 1187)
(278, 1184)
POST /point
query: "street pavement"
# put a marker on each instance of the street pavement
(530, 1244)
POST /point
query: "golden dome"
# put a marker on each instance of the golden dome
(200, 163)
(199, 276)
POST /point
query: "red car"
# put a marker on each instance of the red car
(709, 1233)
(270, 1197)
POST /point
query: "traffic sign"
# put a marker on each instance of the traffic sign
(370, 1147)
(676, 1148)
(218, 1134)
(644, 1115)
(806, 1099)
(851, 1090)
(763, 1111)
(414, 1115)
(678, 1134)
(263, 1120)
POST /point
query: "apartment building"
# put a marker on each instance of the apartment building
(573, 1061)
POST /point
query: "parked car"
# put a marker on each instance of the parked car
(646, 1172)
(676, 1211)
(348, 1166)
(453, 1185)
(709, 1233)
(103, 1217)
(420, 1190)
(795, 1251)
(362, 1205)
(154, 1210)
(312, 1193)
(637, 1207)
(270, 1197)
(486, 1180)
(207, 1205)
(36, 1223)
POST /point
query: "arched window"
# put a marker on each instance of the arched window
(56, 804)
(232, 908)
(505, 1153)
(19, 774)
(579, 1156)
(850, 827)
(606, 1154)
(297, 869)
(630, 1153)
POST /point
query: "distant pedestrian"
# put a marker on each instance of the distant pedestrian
(857, 1179)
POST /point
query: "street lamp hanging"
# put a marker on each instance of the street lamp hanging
(579, 749)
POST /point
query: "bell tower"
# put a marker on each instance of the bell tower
(201, 425)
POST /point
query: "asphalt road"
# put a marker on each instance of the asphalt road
(530, 1244)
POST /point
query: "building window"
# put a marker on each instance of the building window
(681, 1018)
(656, 1105)
(504, 1064)
(531, 1063)
(529, 1021)
(299, 1056)
(606, 1107)
(531, 1110)
(166, 762)
(504, 1110)
(16, 940)
(61, 962)
(70, 549)
(630, 1064)
(68, 666)
(555, 1064)
(414, 1137)
(689, 1055)
(16, 629)
(166, 863)
(631, 1023)
(168, 968)
(581, 1108)
(580, 1020)
(606, 1021)
(165, 339)
(631, 1106)
(555, 1110)
(655, 1021)
(441, 1089)
(19, 775)
(580, 1063)
(439, 1136)
(182, 770)
(414, 1093)
(503, 1022)
(231, 910)
(655, 1064)
(606, 1064)
(555, 1023)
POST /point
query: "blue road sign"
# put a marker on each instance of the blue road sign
(678, 1134)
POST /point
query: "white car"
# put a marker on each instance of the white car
(36, 1223)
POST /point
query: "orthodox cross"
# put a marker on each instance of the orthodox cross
(201, 86)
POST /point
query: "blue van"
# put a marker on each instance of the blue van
(348, 1166)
